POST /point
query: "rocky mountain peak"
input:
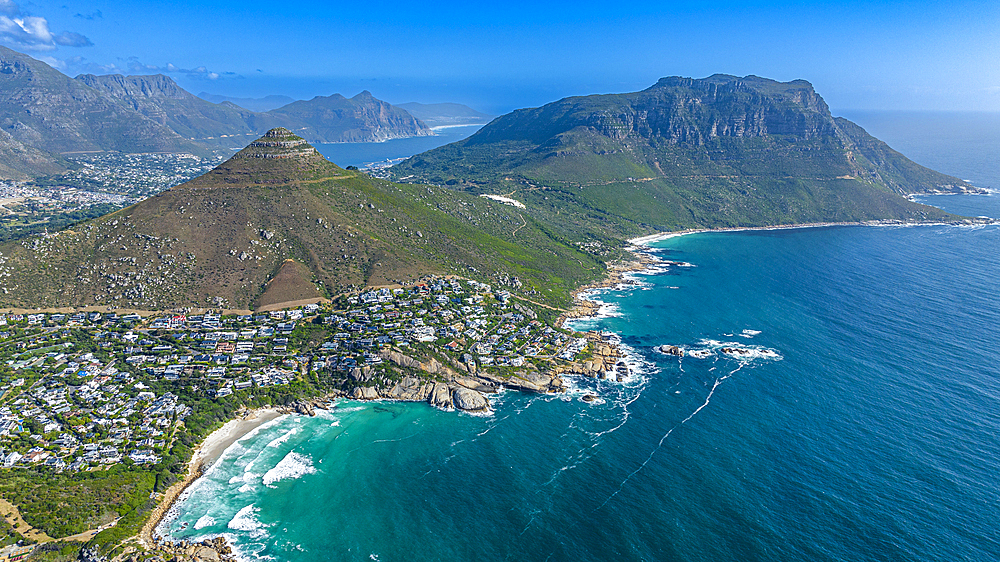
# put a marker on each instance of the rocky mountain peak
(278, 142)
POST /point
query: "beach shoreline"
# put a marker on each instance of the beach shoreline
(205, 455)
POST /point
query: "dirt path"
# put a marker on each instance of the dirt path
(524, 223)
(25, 530)
(13, 516)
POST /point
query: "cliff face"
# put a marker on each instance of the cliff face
(44, 113)
(679, 111)
(43, 109)
(362, 118)
(160, 99)
(683, 153)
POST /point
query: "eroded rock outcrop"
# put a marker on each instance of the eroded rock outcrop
(469, 400)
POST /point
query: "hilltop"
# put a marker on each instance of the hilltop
(722, 151)
(223, 239)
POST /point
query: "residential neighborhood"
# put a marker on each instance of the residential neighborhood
(88, 390)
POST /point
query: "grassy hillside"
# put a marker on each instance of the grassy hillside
(718, 152)
(221, 238)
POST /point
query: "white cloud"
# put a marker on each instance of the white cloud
(32, 32)
(53, 62)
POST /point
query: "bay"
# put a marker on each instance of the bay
(364, 154)
(839, 400)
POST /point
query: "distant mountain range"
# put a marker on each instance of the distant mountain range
(265, 103)
(45, 114)
(722, 151)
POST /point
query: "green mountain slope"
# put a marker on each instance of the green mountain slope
(223, 237)
(716, 152)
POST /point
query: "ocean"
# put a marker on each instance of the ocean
(364, 154)
(839, 399)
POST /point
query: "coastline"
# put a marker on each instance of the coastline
(618, 272)
(204, 456)
(213, 446)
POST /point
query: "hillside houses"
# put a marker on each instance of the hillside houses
(92, 390)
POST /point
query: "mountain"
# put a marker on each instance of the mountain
(277, 222)
(444, 114)
(159, 98)
(335, 118)
(21, 162)
(685, 153)
(45, 111)
(265, 103)
(45, 114)
(362, 118)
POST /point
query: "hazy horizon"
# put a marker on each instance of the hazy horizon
(911, 55)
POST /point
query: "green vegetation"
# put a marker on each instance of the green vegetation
(718, 152)
(15, 228)
(65, 504)
(221, 238)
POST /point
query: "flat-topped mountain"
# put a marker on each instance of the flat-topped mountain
(276, 223)
(719, 151)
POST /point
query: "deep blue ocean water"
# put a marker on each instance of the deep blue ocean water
(860, 422)
(362, 154)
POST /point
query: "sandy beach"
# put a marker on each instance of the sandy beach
(203, 458)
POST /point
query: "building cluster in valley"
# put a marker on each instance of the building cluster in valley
(86, 390)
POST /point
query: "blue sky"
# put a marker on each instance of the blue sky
(859, 55)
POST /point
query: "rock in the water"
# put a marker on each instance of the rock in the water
(671, 350)
(469, 400)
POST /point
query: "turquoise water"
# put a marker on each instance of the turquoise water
(860, 423)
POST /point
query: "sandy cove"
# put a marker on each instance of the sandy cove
(203, 458)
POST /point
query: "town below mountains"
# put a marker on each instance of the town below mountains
(77, 148)
(272, 276)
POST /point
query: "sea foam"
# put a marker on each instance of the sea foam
(246, 520)
(292, 466)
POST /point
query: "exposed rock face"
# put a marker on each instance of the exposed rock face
(440, 396)
(45, 111)
(365, 393)
(469, 400)
(410, 389)
(362, 118)
(433, 366)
